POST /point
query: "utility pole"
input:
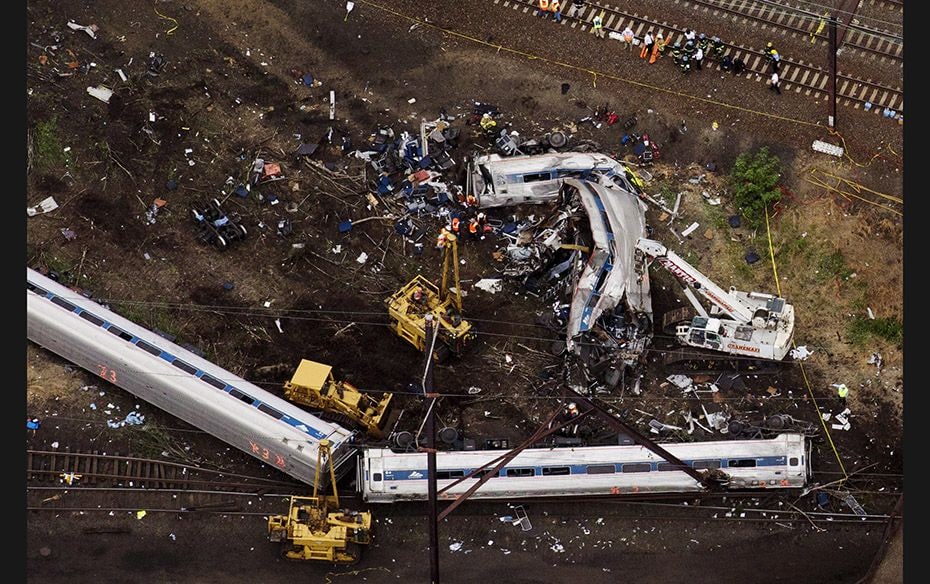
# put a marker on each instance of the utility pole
(430, 429)
(831, 58)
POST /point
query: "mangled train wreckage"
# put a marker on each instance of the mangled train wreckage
(608, 319)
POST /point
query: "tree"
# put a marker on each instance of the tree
(754, 184)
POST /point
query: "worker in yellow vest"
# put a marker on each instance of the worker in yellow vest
(556, 9)
(598, 24)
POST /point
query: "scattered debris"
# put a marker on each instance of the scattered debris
(690, 229)
(100, 92)
(47, 204)
(800, 353)
(491, 285)
(90, 30)
(133, 418)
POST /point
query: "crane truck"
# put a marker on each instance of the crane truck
(316, 528)
(409, 306)
(750, 324)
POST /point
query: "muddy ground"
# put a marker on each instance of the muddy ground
(230, 91)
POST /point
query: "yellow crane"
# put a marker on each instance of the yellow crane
(313, 385)
(311, 531)
(409, 306)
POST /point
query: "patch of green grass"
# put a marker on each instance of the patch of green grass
(151, 317)
(833, 265)
(861, 329)
(48, 153)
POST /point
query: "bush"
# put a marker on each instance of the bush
(754, 185)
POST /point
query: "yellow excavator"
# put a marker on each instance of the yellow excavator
(313, 385)
(409, 306)
(315, 528)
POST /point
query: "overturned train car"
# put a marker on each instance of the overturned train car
(176, 380)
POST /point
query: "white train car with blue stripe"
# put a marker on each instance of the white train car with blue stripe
(181, 383)
(782, 462)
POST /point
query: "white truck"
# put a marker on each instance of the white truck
(739, 323)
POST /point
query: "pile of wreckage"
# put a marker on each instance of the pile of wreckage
(579, 254)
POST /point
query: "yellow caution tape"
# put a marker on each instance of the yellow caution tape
(810, 392)
(173, 28)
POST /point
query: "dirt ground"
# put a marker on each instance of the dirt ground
(230, 91)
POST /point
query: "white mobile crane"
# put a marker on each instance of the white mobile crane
(750, 324)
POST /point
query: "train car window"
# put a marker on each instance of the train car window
(120, 333)
(449, 474)
(185, 367)
(601, 469)
(793, 461)
(741, 462)
(240, 396)
(667, 466)
(91, 318)
(36, 289)
(637, 467)
(270, 411)
(376, 477)
(484, 472)
(521, 472)
(212, 381)
(62, 303)
(148, 347)
(703, 464)
(556, 470)
(537, 176)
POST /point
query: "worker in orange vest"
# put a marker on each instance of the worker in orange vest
(471, 200)
(455, 225)
(657, 48)
(544, 8)
(473, 228)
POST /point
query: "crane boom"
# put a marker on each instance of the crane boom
(756, 324)
(729, 303)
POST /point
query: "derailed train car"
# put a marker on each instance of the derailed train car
(499, 181)
(782, 462)
(183, 384)
(612, 293)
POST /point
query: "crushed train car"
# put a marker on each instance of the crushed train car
(611, 306)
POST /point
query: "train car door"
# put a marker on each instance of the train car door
(375, 472)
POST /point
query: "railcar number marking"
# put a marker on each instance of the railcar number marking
(107, 373)
(267, 454)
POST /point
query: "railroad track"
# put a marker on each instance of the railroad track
(804, 23)
(796, 75)
(101, 470)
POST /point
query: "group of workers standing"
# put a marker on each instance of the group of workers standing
(687, 56)
(475, 227)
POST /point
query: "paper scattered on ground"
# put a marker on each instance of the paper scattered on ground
(90, 30)
(101, 93)
(491, 285)
(47, 204)
(800, 353)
